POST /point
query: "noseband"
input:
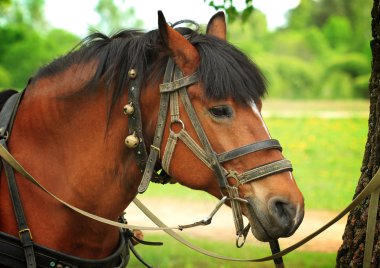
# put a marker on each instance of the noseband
(174, 87)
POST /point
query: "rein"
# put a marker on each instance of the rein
(371, 187)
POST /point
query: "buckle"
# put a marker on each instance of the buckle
(156, 149)
(24, 231)
(4, 135)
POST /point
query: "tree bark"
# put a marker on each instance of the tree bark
(351, 252)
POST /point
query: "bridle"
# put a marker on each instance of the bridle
(174, 87)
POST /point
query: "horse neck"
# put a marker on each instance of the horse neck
(67, 145)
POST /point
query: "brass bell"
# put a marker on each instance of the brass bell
(132, 73)
(129, 109)
(132, 141)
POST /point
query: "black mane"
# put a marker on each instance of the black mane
(224, 70)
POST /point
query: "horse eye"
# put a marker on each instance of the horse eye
(221, 111)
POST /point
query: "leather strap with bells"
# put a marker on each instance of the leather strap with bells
(135, 138)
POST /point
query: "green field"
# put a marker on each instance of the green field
(173, 255)
(326, 154)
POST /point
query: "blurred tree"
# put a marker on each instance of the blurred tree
(26, 42)
(338, 32)
(232, 12)
(250, 36)
(323, 37)
(35, 13)
(301, 16)
(114, 18)
(29, 12)
(4, 5)
(318, 13)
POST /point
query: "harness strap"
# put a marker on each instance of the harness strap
(194, 147)
(179, 83)
(24, 231)
(236, 210)
(135, 124)
(168, 153)
(265, 170)
(8, 113)
(6, 123)
(250, 148)
(210, 154)
(155, 151)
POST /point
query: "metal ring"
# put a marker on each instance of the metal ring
(240, 244)
(174, 122)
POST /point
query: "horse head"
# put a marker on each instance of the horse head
(215, 138)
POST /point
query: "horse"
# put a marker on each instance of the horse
(77, 130)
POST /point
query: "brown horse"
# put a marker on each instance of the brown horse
(70, 127)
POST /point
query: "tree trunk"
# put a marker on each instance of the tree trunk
(351, 252)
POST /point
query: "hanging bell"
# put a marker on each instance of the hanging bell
(129, 109)
(132, 141)
(132, 73)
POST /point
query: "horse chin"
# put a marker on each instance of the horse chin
(257, 221)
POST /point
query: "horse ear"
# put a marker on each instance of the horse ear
(184, 54)
(217, 26)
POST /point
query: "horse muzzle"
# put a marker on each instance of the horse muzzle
(280, 218)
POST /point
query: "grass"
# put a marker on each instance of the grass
(326, 154)
(175, 255)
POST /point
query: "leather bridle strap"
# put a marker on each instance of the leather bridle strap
(6, 123)
(167, 89)
(155, 148)
(135, 123)
(209, 152)
(250, 148)
(262, 171)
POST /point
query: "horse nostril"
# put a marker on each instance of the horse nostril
(283, 213)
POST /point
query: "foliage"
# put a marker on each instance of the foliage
(29, 12)
(27, 42)
(232, 12)
(323, 51)
(113, 17)
(16, 57)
